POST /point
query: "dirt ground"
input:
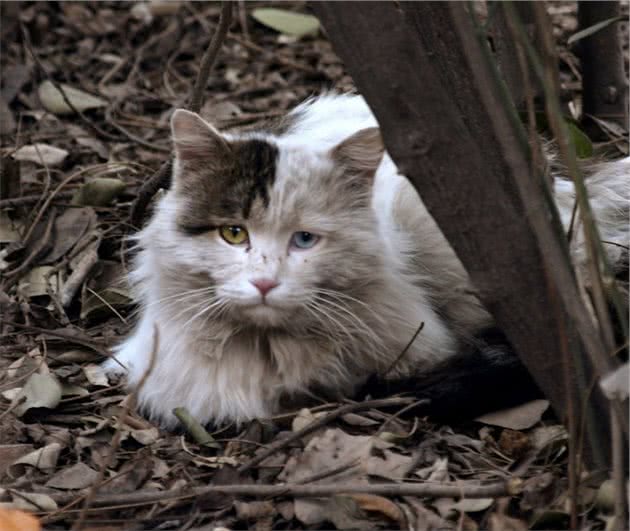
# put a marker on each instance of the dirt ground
(72, 449)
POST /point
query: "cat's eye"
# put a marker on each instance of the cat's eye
(304, 240)
(234, 234)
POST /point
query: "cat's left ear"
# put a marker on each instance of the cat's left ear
(194, 138)
(362, 152)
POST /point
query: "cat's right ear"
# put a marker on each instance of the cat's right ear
(195, 139)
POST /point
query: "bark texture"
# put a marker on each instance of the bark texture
(604, 83)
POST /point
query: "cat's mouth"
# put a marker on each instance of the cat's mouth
(265, 314)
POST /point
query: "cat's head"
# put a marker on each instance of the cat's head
(282, 232)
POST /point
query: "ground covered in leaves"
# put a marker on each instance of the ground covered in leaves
(72, 449)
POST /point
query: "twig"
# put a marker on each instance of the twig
(435, 490)
(210, 56)
(79, 273)
(318, 423)
(404, 351)
(35, 252)
(116, 439)
(192, 426)
(161, 178)
(26, 200)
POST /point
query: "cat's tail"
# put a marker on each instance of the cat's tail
(608, 188)
(486, 375)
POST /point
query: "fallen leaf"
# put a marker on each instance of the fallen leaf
(379, 504)
(96, 375)
(78, 476)
(84, 138)
(100, 191)
(9, 229)
(9, 453)
(53, 101)
(40, 390)
(73, 390)
(42, 154)
(287, 22)
(44, 459)
(516, 418)
(31, 501)
(38, 281)
(69, 229)
(472, 505)
(147, 436)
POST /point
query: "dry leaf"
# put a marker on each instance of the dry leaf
(146, 437)
(31, 501)
(42, 154)
(38, 281)
(96, 375)
(53, 101)
(379, 504)
(517, 418)
(78, 476)
(9, 453)
(69, 229)
(44, 459)
(40, 390)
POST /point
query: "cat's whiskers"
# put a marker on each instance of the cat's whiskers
(344, 313)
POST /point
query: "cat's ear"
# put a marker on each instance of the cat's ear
(362, 152)
(194, 138)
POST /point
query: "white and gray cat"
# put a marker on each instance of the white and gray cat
(297, 258)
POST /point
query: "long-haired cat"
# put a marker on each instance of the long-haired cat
(297, 258)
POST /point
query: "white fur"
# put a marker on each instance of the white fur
(235, 361)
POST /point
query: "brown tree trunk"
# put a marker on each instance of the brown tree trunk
(604, 83)
(443, 120)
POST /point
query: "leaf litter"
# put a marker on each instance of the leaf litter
(64, 303)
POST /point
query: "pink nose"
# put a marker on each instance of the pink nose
(264, 285)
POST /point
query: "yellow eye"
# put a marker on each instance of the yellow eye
(233, 234)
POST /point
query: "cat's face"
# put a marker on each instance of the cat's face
(281, 234)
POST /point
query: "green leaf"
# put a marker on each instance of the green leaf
(582, 143)
(98, 192)
(587, 32)
(287, 22)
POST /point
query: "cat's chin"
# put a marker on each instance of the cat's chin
(265, 315)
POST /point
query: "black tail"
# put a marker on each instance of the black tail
(486, 376)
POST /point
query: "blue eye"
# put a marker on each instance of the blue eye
(303, 240)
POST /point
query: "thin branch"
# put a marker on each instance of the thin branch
(210, 56)
(434, 490)
(162, 177)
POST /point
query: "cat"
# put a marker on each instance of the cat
(295, 259)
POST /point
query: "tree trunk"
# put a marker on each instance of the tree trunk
(444, 122)
(604, 83)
